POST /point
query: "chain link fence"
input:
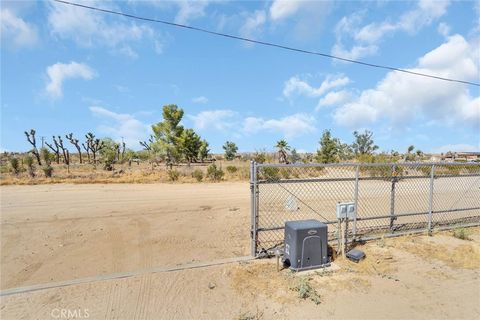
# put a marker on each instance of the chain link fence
(389, 197)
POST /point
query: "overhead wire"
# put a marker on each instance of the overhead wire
(264, 43)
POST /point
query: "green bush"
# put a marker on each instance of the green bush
(305, 290)
(260, 157)
(214, 173)
(286, 173)
(173, 175)
(198, 175)
(48, 171)
(15, 165)
(461, 233)
(231, 169)
(270, 173)
(30, 166)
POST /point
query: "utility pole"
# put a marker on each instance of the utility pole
(43, 140)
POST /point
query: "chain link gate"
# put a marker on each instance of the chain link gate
(389, 198)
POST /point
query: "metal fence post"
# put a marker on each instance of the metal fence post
(430, 200)
(355, 197)
(253, 208)
(392, 197)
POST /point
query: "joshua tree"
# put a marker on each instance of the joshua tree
(282, 147)
(75, 143)
(31, 139)
(94, 145)
(87, 149)
(65, 152)
(55, 149)
(148, 145)
(230, 150)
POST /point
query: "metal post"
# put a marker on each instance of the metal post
(392, 198)
(430, 200)
(253, 207)
(355, 197)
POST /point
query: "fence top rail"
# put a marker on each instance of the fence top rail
(353, 164)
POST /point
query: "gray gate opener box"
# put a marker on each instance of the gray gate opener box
(306, 244)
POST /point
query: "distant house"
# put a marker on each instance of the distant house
(456, 156)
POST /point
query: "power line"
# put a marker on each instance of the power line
(264, 43)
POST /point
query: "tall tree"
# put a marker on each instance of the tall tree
(363, 143)
(75, 142)
(329, 148)
(31, 139)
(167, 133)
(230, 150)
(94, 145)
(189, 144)
(65, 152)
(203, 151)
(282, 148)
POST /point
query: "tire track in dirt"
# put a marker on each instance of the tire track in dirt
(143, 236)
(118, 253)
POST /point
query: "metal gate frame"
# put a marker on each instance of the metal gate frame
(473, 220)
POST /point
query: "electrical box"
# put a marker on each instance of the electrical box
(346, 210)
(305, 245)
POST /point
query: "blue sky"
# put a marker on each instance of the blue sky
(66, 69)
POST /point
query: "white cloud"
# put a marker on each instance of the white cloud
(443, 29)
(253, 23)
(59, 72)
(88, 28)
(333, 98)
(290, 126)
(189, 10)
(200, 100)
(216, 119)
(295, 85)
(366, 38)
(118, 125)
(281, 9)
(400, 98)
(15, 30)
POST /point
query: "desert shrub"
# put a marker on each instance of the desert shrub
(285, 173)
(198, 175)
(46, 156)
(260, 157)
(173, 175)
(30, 166)
(425, 170)
(14, 165)
(231, 169)
(461, 233)
(214, 173)
(270, 173)
(48, 171)
(305, 290)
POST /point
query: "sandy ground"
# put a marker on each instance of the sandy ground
(52, 233)
(60, 232)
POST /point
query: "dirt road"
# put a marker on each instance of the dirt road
(55, 233)
(61, 232)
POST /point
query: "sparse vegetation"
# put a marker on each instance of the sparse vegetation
(198, 175)
(214, 173)
(48, 170)
(461, 233)
(15, 165)
(231, 169)
(173, 175)
(305, 290)
(30, 166)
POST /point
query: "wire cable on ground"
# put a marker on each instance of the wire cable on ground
(264, 43)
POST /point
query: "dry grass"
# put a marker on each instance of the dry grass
(143, 173)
